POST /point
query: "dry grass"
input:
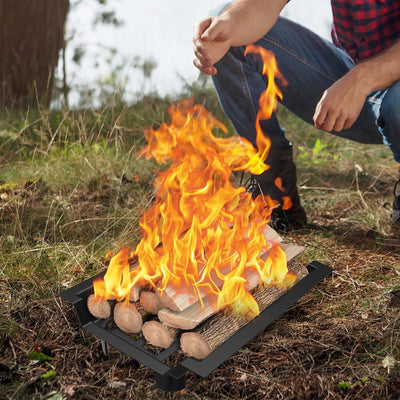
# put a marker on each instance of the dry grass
(340, 341)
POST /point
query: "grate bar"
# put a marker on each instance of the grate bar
(130, 347)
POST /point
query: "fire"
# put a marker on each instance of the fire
(203, 236)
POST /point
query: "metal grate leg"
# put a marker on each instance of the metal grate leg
(173, 380)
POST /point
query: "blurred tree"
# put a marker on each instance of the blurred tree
(79, 51)
(31, 35)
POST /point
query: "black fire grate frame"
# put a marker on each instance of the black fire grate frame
(173, 378)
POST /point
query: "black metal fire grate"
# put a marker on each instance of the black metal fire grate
(173, 378)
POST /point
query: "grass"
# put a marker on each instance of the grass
(71, 189)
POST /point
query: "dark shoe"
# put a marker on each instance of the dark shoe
(396, 204)
(281, 166)
(281, 220)
(286, 220)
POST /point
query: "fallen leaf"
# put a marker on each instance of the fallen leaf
(388, 362)
(38, 356)
(117, 384)
(48, 374)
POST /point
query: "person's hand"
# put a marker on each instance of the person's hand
(211, 40)
(340, 105)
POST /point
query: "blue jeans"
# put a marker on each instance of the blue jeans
(310, 64)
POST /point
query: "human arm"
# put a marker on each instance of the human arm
(341, 103)
(241, 23)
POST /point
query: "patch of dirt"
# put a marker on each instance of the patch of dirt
(340, 341)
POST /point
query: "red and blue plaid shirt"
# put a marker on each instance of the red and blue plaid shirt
(363, 28)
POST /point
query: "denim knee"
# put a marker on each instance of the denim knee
(389, 119)
(218, 10)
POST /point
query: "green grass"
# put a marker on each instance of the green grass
(72, 188)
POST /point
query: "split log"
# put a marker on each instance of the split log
(271, 235)
(150, 302)
(180, 300)
(219, 328)
(159, 334)
(134, 294)
(127, 317)
(196, 313)
(99, 309)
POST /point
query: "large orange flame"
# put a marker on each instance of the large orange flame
(202, 235)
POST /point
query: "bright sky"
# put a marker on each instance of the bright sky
(163, 30)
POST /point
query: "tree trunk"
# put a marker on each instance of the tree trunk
(31, 35)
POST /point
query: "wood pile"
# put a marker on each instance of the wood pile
(200, 326)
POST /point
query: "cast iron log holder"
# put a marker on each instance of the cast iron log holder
(173, 378)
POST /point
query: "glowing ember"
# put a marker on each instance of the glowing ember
(202, 235)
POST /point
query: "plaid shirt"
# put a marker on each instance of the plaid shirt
(363, 28)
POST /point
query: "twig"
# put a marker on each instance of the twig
(359, 192)
(14, 353)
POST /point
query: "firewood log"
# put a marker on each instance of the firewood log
(196, 313)
(159, 334)
(221, 326)
(99, 309)
(177, 300)
(134, 294)
(181, 300)
(127, 317)
(150, 302)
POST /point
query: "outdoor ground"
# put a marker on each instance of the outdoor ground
(71, 189)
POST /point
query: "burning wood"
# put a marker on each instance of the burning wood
(128, 315)
(199, 312)
(134, 294)
(179, 300)
(219, 328)
(98, 308)
(210, 231)
(150, 302)
(205, 243)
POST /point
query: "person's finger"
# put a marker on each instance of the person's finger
(199, 65)
(212, 31)
(202, 60)
(200, 28)
(329, 122)
(319, 116)
(201, 56)
(199, 50)
(340, 123)
(349, 123)
(208, 70)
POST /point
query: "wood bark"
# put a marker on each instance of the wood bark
(31, 35)
(220, 327)
(197, 313)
